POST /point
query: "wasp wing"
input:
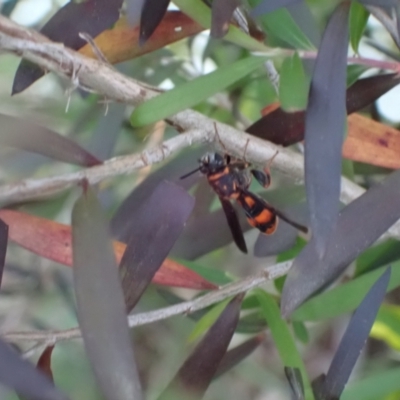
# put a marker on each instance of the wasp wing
(278, 213)
(234, 224)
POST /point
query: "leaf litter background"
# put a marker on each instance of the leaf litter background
(37, 293)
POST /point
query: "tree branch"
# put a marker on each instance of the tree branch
(187, 307)
(105, 80)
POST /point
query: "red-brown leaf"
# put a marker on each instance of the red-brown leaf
(52, 240)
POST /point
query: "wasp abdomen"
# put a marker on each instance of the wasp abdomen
(258, 215)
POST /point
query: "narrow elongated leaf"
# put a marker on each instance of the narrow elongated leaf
(191, 93)
(387, 326)
(30, 137)
(222, 11)
(24, 378)
(380, 3)
(152, 234)
(198, 370)
(236, 355)
(267, 6)
(359, 225)
(285, 128)
(372, 142)
(293, 375)
(324, 129)
(344, 298)
(201, 13)
(282, 338)
(293, 85)
(153, 12)
(121, 43)
(387, 21)
(52, 240)
(91, 17)
(172, 171)
(100, 303)
(44, 362)
(3, 246)
(282, 25)
(376, 386)
(358, 21)
(204, 323)
(354, 339)
(381, 254)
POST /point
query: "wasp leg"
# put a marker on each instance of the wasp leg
(234, 224)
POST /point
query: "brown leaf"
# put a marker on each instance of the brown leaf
(122, 42)
(44, 362)
(371, 142)
(52, 240)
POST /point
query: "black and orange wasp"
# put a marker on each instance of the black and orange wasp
(230, 179)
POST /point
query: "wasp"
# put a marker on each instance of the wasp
(230, 179)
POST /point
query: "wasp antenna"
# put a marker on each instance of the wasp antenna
(190, 173)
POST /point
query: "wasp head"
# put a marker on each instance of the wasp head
(212, 163)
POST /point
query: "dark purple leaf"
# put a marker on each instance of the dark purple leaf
(30, 137)
(324, 128)
(387, 21)
(20, 375)
(128, 210)
(44, 362)
(133, 12)
(222, 11)
(157, 226)
(286, 128)
(359, 225)
(3, 246)
(293, 375)
(234, 356)
(100, 302)
(353, 340)
(195, 375)
(302, 15)
(91, 17)
(380, 3)
(153, 12)
(365, 91)
(267, 6)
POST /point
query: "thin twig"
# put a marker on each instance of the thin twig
(108, 82)
(44, 187)
(186, 307)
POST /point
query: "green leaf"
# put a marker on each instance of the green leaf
(344, 298)
(300, 331)
(191, 93)
(376, 386)
(282, 25)
(199, 12)
(213, 275)
(377, 256)
(286, 256)
(387, 325)
(358, 21)
(293, 86)
(354, 71)
(282, 337)
(207, 320)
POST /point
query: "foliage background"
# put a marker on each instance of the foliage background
(36, 293)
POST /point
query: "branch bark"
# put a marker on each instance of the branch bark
(105, 80)
(187, 307)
